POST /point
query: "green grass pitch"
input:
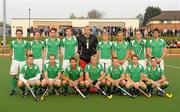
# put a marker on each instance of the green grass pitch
(95, 103)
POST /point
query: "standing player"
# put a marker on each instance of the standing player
(29, 75)
(156, 47)
(52, 45)
(69, 47)
(18, 50)
(104, 51)
(155, 77)
(121, 50)
(94, 72)
(52, 74)
(135, 74)
(115, 75)
(138, 47)
(86, 46)
(37, 49)
(74, 74)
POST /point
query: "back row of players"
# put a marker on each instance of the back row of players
(104, 61)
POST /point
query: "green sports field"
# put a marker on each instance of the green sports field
(94, 103)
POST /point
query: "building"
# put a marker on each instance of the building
(165, 20)
(46, 23)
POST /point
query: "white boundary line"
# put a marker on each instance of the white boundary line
(171, 66)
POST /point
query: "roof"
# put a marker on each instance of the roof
(167, 15)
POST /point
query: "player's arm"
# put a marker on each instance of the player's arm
(108, 77)
(11, 49)
(58, 76)
(101, 76)
(87, 77)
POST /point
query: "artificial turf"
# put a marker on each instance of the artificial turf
(95, 103)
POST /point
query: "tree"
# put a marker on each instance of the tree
(72, 16)
(151, 12)
(95, 14)
(7, 26)
(140, 17)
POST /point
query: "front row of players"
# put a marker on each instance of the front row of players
(133, 78)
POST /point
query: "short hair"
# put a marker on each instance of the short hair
(104, 33)
(88, 27)
(54, 29)
(153, 58)
(120, 32)
(94, 56)
(138, 31)
(30, 55)
(73, 58)
(156, 29)
(19, 30)
(37, 31)
(114, 58)
(52, 55)
(69, 28)
(134, 56)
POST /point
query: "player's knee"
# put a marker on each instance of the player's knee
(108, 83)
(103, 81)
(81, 83)
(64, 82)
(20, 83)
(38, 82)
(87, 84)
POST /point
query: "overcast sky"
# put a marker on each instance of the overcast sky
(63, 8)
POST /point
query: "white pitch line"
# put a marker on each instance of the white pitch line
(172, 66)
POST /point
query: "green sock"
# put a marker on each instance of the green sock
(164, 86)
(22, 88)
(13, 83)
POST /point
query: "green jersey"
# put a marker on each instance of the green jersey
(121, 49)
(19, 49)
(139, 48)
(36, 48)
(30, 72)
(154, 74)
(73, 74)
(69, 47)
(156, 47)
(94, 73)
(115, 72)
(135, 72)
(104, 49)
(52, 47)
(52, 71)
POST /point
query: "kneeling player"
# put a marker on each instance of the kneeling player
(74, 74)
(115, 76)
(155, 77)
(94, 73)
(135, 74)
(29, 75)
(52, 74)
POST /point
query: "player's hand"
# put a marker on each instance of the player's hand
(27, 83)
(47, 81)
(136, 85)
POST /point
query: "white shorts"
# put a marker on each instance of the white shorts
(143, 63)
(46, 61)
(16, 66)
(106, 63)
(65, 64)
(33, 82)
(124, 65)
(39, 63)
